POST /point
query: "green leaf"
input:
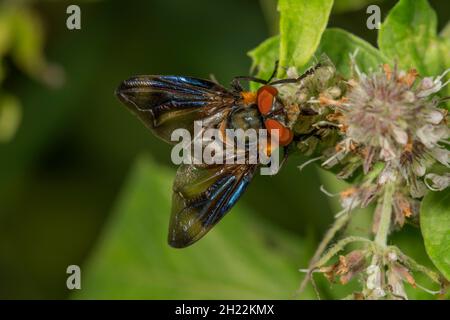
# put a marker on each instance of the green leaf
(5, 37)
(445, 33)
(341, 6)
(28, 41)
(408, 36)
(444, 38)
(5, 30)
(240, 258)
(10, 116)
(301, 26)
(28, 48)
(264, 57)
(435, 226)
(336, 43)
(339, 44)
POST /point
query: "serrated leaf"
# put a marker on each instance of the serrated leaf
(241, 258)
(408, 36)
(336, 43)
(301, 26)
(339, 44)
(435, 226)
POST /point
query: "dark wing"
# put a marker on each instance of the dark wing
(202, 196)
(166, 103)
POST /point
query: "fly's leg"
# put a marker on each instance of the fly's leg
(296, 80)
(236, 82)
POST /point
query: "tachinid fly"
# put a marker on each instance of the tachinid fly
(203, 194)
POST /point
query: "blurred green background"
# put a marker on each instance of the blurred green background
(62, 172)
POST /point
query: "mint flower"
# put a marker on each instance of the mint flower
(391, 133)
(391, 117)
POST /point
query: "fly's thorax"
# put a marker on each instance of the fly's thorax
(240, 130)
(245, 118)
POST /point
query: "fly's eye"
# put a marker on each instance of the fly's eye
(285, 135)
(265, 98)
(246, 118)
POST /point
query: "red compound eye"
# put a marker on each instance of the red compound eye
(265, 97)
(285, 134)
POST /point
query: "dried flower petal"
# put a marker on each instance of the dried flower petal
(395, 283)
(374, 277)
(403, 273)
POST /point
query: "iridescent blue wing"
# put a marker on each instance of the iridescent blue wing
(166, 103)
(202, 196)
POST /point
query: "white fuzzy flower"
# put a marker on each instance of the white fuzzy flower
(390, 116)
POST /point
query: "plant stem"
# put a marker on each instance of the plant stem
(412, 264)
(338, 224)
(386, 215)
(339, 246)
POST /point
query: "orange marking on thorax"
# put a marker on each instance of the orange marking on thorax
(248, 97)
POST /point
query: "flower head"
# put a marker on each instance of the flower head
(390, 117)
(386, 133)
